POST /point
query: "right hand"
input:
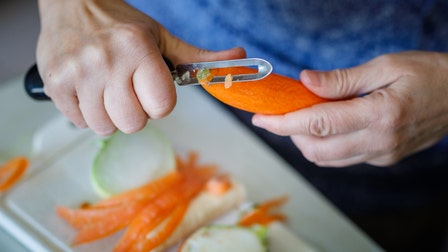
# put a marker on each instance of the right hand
(101, 63)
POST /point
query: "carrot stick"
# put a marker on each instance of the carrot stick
(12, 171)
(161, 207)
(218, 185)
(262, 215)
(107, 225)
(151, 240)
(79, 218)
(145, 192)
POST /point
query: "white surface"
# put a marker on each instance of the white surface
(196, 124)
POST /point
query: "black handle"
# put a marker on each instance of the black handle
(34, 86)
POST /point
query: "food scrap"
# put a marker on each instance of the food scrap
(204, 76)
(228, 81)
(12, 171)
(264, 213)
(150, 213)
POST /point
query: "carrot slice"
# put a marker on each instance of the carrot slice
(144, 192)
(82, 217)
(151, 240)
(107, 225)
(262, 214)
(110, 208)
(219, 185)
(160, 208)
(12, 171)
(150, 209)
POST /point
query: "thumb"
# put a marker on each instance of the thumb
(178, 51)
(349, 82)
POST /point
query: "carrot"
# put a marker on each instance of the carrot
(153, 209)
(12, 171)
(158, 210)
(111, 207)
(275, 94)
(218, 185)
(107, 224)
(262, 215)
(151, 240)
(82, 217)
(144, 192)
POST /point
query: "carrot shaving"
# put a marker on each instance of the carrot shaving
(12, 171)
(218, 185)
(151, 212)
(161, 208)
(263, 213)
(144, 192)
(228, 81)
(152, 240)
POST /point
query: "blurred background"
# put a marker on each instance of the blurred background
(19, 29)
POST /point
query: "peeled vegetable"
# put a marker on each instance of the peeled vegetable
(127, 161)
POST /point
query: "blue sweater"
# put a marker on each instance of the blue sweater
(319, 34)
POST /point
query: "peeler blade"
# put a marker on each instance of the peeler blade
(185, 74)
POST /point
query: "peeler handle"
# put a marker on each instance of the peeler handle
(34, 86)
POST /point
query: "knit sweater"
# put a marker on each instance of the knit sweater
(324, 35)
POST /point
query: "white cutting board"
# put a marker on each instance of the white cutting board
(62, 155)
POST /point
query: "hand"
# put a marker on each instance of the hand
(404, 110)
(101, 63)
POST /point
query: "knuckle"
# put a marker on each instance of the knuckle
(132, 35)
(320, 125)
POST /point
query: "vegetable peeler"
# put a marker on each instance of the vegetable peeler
(183, 74)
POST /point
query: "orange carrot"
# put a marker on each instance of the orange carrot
(145, 192)
(151, 240)
(155, 208)
(276, 94)
(219, 185)
(262, 215)
(82, 217)
(110, 208)
(159, 209)
(12, 171)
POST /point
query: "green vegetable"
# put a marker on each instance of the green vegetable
(126, 161)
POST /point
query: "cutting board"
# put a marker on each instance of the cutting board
(62, 156)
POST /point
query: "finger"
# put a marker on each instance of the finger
(67, 103)
(180, 52)
(123, 107)
(344, 162)
(336, 148)
(63, 95)
(154, 86)
(350, 82)
(320, 120)
(91, 104)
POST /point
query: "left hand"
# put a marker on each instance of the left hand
(404, 110)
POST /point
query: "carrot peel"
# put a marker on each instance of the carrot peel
(263, 214)
(12, 171)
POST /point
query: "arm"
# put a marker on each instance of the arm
(405, 110)
(101, 63)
